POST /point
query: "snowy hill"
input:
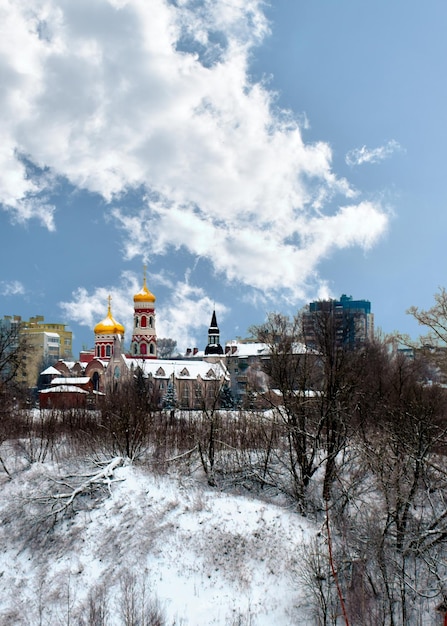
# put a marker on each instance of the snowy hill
(145, 549)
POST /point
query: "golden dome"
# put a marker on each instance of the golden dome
(109, 326)
(144, 295)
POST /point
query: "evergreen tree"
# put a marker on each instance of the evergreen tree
(226, 397)
(170, 399)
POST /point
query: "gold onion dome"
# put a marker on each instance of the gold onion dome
(144, 295)
(109, 326)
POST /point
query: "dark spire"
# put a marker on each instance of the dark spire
(213, 346)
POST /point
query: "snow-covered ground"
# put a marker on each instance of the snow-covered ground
(196, 555)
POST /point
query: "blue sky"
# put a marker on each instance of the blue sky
(255, 155)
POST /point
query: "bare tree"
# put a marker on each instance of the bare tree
(13, 349)
(166, 347)
(435, 318)
(291, 371)
(126, 417)
(400, 520)
(316, 387)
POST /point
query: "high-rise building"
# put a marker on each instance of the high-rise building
(350, 321)
(46, 343)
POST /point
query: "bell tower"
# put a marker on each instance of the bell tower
(144, 337)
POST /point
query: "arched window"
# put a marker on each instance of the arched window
(151, 322)
(143, 321)
(143, 348)
(136, 322)
(95, 380)
(152, 349)
(135, 348)
(102, 352)
(98, 351)
(108, 350)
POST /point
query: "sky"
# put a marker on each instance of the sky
(255, 156)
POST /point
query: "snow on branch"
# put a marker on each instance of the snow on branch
(61, 501)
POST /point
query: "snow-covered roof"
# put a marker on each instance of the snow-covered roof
(247, 349)
(50, 371)
(64, 389)
(81, 380)
(241, 350)
(181, 369)
(69, 364)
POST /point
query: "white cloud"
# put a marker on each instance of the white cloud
(117, 95)
(358, 156)
(182, 317)
(12, 288)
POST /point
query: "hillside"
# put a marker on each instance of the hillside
(164, 547)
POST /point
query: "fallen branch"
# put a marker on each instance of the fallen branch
(103, 477)
(180, 456)
(5, 468)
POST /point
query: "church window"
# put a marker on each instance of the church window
(143, 348)
(151, 322)
(108, 351)
(143, 321)
(135, 348)
(136, 322)
(95, 380)
(102, 352)
(151, 348)
(98, 353)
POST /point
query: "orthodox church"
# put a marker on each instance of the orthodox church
(190, 380)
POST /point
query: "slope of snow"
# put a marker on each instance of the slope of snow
(203, 557)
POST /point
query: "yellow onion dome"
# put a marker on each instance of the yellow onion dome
(109, 326)
(144, 295)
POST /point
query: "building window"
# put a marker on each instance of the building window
(135, 348)
(151, 348)
(151, 322)
(143, 348)
(108, 351)
(143, 321)
(136, 322)
(185, 396)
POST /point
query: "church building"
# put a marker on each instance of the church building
(192, 381)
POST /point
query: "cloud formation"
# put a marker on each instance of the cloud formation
(156, 95)
(362, 155)
(12, 288)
